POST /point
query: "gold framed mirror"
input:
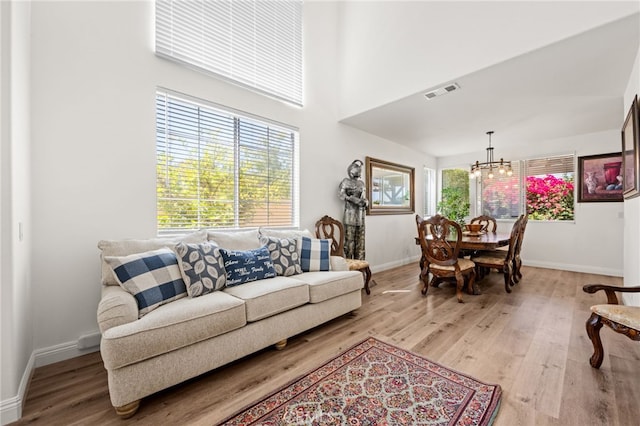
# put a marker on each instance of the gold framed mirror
(390, 187)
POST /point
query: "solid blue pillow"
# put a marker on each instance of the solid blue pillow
(248, 265)
(314, 255)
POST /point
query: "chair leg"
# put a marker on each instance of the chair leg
(460, 282)
(367, 277)
(508, 277)
(594, 324)
(424, 273)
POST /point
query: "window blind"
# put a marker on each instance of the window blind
(218, 169)
(255, 43)
(551, 165)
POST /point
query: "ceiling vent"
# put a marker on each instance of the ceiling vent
(442, 90)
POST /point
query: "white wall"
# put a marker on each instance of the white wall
(15, 289)
(94, 79)
(632, 206)
(583, 245)
(475, 31)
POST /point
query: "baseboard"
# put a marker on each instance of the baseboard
(396, 263)
(11, 408)
(587, 269)
(63, 351)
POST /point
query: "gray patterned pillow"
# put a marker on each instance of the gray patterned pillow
(284, 255)
(202, 268)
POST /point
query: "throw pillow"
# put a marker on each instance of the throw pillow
(202, 268)
(153, 278)
(246, 266)
(284, 255)
(315, 254)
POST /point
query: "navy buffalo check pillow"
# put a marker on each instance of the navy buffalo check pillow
(153, 278)
(315, 254)
(245, 266)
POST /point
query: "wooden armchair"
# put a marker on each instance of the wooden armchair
(440, 252)
(620, 318)
(517, 261)
(332, 229)
(488, 223)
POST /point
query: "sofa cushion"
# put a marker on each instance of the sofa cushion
(172, 326)
(314, 255)
(131, 246)
(246, 266)
(330, 284)
(265, 298)
(153, 277)
(235, 239)
(202, 267)
(284, 255)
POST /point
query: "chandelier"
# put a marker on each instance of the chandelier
(501, 166)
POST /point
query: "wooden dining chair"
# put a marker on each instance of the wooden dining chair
(488, 223)
(501, 260)
(332, 229)
(517, 260)
(620, 318)
(441, 251)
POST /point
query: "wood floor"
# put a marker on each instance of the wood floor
(532, 342)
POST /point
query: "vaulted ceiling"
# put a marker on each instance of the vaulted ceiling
(571, 87)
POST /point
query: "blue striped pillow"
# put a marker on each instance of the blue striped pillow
(314, 255)
(153, 278)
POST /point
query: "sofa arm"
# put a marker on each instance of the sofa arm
(116, 307)
(338, 263)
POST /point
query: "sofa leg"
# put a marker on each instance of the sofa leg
(128, 410)
(281, 344)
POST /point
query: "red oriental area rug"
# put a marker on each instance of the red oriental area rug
(375, 383)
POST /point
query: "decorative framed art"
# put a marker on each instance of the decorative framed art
(600, 178)
(630, 148)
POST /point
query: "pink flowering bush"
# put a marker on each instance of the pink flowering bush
(550, 198)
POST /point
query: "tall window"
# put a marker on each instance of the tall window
(429, 207)
(255, 43)
(501, 195)
(216, 168)
(543, 187)
(454, 203)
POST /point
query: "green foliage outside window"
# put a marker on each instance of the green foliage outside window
(455, 195)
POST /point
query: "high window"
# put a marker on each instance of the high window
(254, 43)
(543, 187)
(217, 168)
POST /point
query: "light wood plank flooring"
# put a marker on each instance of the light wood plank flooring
(532, 342)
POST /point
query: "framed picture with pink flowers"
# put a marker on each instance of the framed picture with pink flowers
(600, 177)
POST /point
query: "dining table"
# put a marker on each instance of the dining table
(476, 241)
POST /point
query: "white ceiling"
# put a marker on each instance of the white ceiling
(571, 87)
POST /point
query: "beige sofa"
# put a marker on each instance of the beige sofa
(190, 336)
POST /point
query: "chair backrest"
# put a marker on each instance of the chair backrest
(421, 239)
(488, 223)
(516, 231)
(443, 245)
(331, 229)
(524, 219)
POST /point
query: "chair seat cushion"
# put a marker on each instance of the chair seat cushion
(625, 315)
(464, 265)
(356, 265)
(489, 259)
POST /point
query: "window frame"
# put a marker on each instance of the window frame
(237, 117)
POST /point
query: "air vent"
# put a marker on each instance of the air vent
(442, 91)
